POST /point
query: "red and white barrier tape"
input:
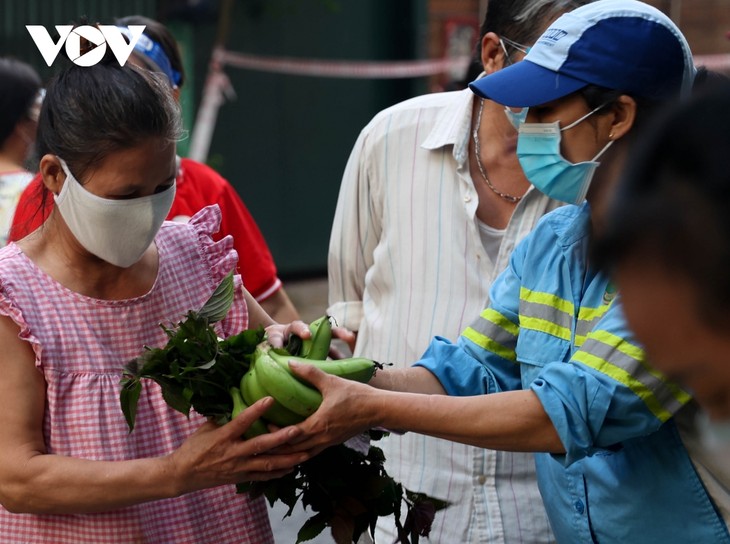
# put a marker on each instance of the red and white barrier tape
(719, 62)
(343, 69)
(382, 69)
(218, 87)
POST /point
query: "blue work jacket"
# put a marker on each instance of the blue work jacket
(555, 326)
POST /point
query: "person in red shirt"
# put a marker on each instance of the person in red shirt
(198, 186)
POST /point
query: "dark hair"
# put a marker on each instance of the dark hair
(671, 206)
(521, 21)
(19, 86)
(596, 96)
(89, 112)
(159, 33)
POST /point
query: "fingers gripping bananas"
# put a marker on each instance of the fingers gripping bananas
(284, 387)
(355, 368)
(269, 374)
(318, 346)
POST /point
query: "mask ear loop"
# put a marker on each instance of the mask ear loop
(602, 151)
(586, 116)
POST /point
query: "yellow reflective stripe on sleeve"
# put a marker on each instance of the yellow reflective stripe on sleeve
(587, 320)
(624, 362)
(579, 340)
(589, 314)
(495, 332)
(620, 344)
(548, 299)
(546, 313)
(624, 377)
(635, 352)
(487, 343)
(543, 325)
(499, 320)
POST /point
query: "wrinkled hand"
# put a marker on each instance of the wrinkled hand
(345, 411)
(278, 334)
(216, 455)
(347, 336)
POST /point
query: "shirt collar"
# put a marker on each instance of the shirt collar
(453, 126)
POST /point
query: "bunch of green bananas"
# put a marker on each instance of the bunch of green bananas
(294, 399)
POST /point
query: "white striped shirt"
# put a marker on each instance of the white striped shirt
(406, 263)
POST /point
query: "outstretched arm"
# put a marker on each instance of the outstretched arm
(512, 421)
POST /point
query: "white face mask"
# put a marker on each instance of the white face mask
(117, 231)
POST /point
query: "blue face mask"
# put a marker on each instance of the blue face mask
(516, 118)
(538, 150)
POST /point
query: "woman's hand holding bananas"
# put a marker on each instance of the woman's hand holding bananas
(270, 374)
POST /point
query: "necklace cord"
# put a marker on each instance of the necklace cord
(475, 136)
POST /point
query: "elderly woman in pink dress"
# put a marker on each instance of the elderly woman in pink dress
(81, 296)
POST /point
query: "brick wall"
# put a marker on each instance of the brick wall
(705, 24)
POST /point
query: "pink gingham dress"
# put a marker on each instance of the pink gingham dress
(80, 346)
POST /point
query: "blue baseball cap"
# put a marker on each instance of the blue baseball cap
(624, 45)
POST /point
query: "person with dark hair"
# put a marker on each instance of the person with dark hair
(82, 296)
(20, 98)
(550, 366)
(432, 203)
(666, 241)
(198, 185)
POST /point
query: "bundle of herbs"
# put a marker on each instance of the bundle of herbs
(346, 488)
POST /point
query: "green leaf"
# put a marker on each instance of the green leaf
(421, 512)
(175, 397)
(343, 529)
(311, 528)
(128, 397)
(217, 306)
(421, 498)
(245, 487)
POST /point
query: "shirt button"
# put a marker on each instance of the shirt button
(482, 479)
(467, 198)
(579, 506)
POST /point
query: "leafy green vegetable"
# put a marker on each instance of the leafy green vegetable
(346, 489)
(219, 302)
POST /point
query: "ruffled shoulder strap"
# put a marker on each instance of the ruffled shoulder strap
(220, 255)
(10, 263)
(222, 259)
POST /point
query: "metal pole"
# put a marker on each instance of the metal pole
(217, 87)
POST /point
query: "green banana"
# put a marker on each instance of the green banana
(258, 427)
(353, 368)
(318, 346)
(284, 387)
(252, 391)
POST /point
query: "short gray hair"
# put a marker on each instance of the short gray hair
(523, 21)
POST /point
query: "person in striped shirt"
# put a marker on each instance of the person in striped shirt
(431, 205)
